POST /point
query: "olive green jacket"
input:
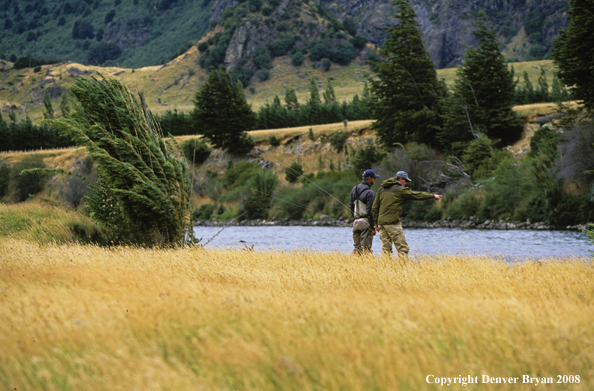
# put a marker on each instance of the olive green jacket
(389, 199)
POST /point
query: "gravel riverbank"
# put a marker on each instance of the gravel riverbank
(326, 221)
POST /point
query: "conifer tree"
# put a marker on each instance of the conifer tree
(329, 94)
(573, 51)
(48, 112)
(222, 114)
(65, 105)
(291, 99)
(483, 94)
(407, 91)
(314, 103)
(141, 178)
(5, 137)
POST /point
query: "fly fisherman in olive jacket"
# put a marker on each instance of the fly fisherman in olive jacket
(362, 198)
(387, 208)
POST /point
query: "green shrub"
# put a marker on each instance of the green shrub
(195, 151)
(337, 140)
(237, 175)
(256, 207)
(297, 59)
(29, 183)
(203, 46)
(4, 180)
(272, 140)
(205, 212)
(421, 211)
(504, 194)
(464, 207)
(477, 152)
(367, 158)
(294, 203)
(263, 182)
(293, 172)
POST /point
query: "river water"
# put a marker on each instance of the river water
(511, 244)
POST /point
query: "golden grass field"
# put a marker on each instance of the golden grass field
(82, 317)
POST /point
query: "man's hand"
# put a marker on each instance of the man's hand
(437, 196)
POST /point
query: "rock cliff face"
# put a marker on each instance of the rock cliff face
(526, 28)
(447, 24)
(290, 24)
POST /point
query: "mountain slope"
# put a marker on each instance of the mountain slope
(146, 32)
(135, 33)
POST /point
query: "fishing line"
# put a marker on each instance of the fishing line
(312, 182)
(305, 207)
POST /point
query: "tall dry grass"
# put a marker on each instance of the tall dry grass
(83, 317)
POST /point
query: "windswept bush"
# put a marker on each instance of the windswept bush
(140, 176)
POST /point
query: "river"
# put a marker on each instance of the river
(511, 244)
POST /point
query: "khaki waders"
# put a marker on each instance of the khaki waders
(394, 234)
(362, 237)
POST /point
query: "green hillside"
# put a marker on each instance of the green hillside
(86, 31)
(173, 85)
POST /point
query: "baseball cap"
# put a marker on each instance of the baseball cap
(369, 173)
(402, 174)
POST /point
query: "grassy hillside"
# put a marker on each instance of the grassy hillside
(79, 317)
(173, 85)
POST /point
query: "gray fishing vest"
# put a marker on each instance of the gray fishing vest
(360, 208)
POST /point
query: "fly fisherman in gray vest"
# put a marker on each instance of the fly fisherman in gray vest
(361, 202)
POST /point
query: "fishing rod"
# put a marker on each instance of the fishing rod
(225, 226)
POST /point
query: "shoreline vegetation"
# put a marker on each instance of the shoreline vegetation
(120, 318)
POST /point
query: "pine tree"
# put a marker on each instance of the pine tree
(313, 104)
(65, 106)
(542, 93)
(573, 51)
(48, 112)
(222, 114)
(329, 94)
(407, 91)
(291, 99)
(5, 136)
(483, 94)
(141, 178)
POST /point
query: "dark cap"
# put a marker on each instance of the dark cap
(369, 173)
